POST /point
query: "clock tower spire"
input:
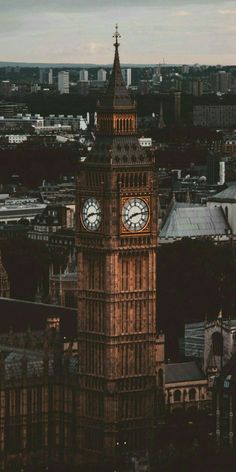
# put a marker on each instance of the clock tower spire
(116, 114)
(116, 245)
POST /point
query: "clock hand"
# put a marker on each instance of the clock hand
(138, 213)
(92, 214)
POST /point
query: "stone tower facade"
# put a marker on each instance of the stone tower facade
(116, 246)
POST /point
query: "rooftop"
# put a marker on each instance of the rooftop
(227, 195)
(191, 220)
(183, 372)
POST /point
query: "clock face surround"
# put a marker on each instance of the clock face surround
(91, 214)
(135, 214)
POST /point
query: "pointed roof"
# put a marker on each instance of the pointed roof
(117, 96)
(194, 220)
(228, 195)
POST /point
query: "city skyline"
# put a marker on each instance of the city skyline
(180, 31)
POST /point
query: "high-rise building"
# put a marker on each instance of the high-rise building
(42, 76)
(127, 73)
(45, 76)
(121, 356)
(102, 75)
(161, 122)
(83, 75)
(63, 82)
(194, 87)
(50, 77)
(177, 96)
(222, 81)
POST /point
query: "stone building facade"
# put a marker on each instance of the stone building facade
(38, 392)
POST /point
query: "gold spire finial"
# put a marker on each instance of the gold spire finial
(116, 35)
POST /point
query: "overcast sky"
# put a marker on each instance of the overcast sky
(80, 31)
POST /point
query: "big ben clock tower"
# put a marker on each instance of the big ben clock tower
(116, 243)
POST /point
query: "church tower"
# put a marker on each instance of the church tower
(116, 244)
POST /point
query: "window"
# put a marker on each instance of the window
(217, 344)
(177, 395)
(192, 394)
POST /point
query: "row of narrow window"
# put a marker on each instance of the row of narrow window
(96, 273)
(36, 400)
(132, 180)
(134, 406)
(191, 395)
(95, 318)
(125, 180)
(131, 315)
(134, 273)
(134, 360)
(122, 125)
(94, 404)
(94, 358)
(94, 179)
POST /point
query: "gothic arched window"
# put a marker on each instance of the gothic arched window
(217, 344)
(177, 395)
(192, 394)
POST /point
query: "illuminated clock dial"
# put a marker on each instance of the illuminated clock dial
(91, 214)
(135, 214)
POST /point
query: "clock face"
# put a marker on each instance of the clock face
(135, 214)
(91, 214)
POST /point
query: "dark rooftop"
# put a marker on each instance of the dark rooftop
(19, 315)
(183, 372)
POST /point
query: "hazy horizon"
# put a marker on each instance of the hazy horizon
(79, 31)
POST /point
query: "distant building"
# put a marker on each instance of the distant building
(43, 76)
(226, 201)
(61, 241)
(83, 87)
(4, 281)
(185, 69)
(145, 142)
(83, 75)
(78, 122)
(214, 116)
(211, 342)
(53, 218)
(16, 138)
(127, 76)
(224, 410)
(9, 110)
(12, 211)
(186, 387)
(21, 122)
(63, 82)
(161, 122)
(223, 81)
(177, 98)
(35, 88)
(50, 77)
(101, 75)
(144, 86)
(63, 285)
(195, 87)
